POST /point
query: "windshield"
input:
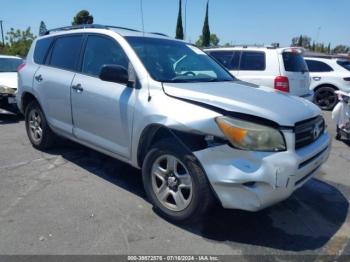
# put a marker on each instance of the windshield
(177, 62)
(344, 63)
(294, 62)
(9, 64)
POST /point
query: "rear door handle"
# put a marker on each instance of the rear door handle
(39, 78)
(78, 88)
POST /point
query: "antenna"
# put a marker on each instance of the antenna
(143, 33)
(142, 21)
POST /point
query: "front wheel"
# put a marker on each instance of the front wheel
(175, 183)
(325, 97)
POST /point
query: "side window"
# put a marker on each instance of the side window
(65, 52)
(317, 66)
(100, 51)
(41, 48)
(229, 59)
(252, 61)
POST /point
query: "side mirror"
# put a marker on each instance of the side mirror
(114, 73)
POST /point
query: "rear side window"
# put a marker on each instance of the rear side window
(101, 51)
(41, 48)
(345, 64)
(294, 62)
(65, 52)
(317, 66)
(252, 61)
(229, 59)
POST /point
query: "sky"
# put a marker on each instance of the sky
(234, 21)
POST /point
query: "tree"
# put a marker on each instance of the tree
(83, 17)
(329, 48)
(42, 28)
(341, 49)
(313, 48)
(302, 41)
(206, 29)
(18, 42)
(179, 28)
(214, 41)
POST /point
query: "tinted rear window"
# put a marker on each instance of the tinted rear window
(317, 66)
(345, 64)
(229, 59)
(41, 49)
(294, 62)
(9, 64)
(252, 61)
(65, 52)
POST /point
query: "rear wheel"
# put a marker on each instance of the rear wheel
(175, 183)
(325, 97)
(38, 130)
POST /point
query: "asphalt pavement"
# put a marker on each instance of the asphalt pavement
(73, 200)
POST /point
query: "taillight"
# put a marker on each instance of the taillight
(282, 83)
(20, 67)
(346, 79)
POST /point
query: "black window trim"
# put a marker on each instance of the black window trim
(251, 51)
(49, 54)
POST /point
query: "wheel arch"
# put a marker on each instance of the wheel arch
(27, 98)
(156, 132)
(325, 85)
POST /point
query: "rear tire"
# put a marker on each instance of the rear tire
(38, 130)
(175, 183)
(325, 97)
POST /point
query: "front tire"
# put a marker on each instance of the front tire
(325, 97)
(38, 130)
(175, 183)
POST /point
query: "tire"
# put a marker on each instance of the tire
(184, 181)
(325, 97)
(338, 136)
(38, 130)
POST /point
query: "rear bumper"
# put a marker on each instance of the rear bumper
(255, 180)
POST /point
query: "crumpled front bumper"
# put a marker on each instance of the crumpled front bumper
(254, 180)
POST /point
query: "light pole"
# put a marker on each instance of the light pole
(2, 33)
(185, 20)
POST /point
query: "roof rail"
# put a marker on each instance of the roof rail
(155, 33)
(245, 46)
(73, 27)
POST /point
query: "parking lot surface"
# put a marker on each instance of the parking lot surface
(73, 200)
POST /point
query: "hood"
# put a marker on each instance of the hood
(9, 79)
(241, 97)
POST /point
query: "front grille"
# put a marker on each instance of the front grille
(306, 132)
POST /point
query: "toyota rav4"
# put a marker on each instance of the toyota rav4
(164, 106)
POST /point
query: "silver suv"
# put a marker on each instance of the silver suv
(165, 107)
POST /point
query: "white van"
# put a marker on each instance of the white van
(283, 69)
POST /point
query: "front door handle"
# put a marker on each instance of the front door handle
(78, 88)
(39, 78)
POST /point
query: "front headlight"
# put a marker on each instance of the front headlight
(7, 90)
(249, 136)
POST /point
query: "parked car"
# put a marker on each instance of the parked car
(164, 106)
(283, 69)
(327, 76)
(8, 81)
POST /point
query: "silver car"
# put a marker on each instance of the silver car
(163, 106)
